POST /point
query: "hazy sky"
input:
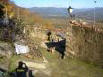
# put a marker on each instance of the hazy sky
(59, 3)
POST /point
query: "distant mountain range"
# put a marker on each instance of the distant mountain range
(49, 11)
(87, 13)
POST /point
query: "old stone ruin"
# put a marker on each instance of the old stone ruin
(85, 42)
(78, 41)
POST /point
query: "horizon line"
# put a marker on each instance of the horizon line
(61, 7)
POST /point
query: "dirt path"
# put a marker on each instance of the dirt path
(39, 69)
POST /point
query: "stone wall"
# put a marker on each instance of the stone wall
(85, 44)
(35, 32)
(6, 49)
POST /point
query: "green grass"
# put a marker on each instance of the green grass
(13, 60)
(70, 67)
(2, 58)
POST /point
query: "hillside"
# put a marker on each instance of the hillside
(89, 13)
(49, 11)
(86, 13)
